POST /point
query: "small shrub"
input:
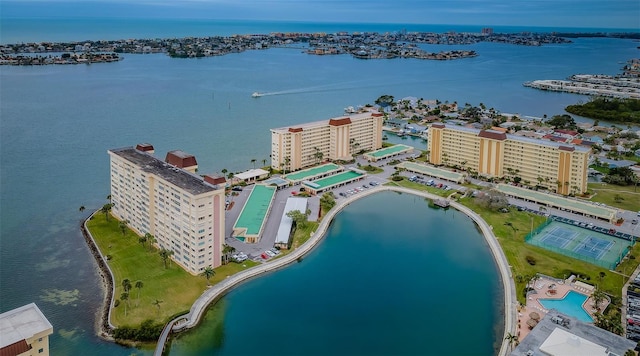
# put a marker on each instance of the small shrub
(632, 257)
(116, 303)
(531, 260)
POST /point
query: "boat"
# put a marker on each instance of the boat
(256, 95)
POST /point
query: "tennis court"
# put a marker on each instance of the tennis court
(577, 242)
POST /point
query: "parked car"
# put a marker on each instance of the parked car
(275, 250)
(269, 253)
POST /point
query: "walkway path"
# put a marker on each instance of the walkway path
(217, 291)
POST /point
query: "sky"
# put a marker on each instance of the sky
(543, 13)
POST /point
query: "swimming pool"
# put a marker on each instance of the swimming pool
(571, 305)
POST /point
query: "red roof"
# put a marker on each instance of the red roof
(181, 159)
(16, 348)
(215, 180)
(566, 132)
(295, 129)
(438, 126)
(494, 135)
(144, 147)
(567, 148)
(377, 114)
(340, 122)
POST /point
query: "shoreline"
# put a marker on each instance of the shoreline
(104, 326)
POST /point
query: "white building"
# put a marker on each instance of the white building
(183, 211)
(24, 331)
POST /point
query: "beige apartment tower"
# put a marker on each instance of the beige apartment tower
(297, 147)
(555, 166)
(183, 211)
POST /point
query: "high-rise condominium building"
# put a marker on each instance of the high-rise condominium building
(556, 166)
(183, 211)
(304, 145)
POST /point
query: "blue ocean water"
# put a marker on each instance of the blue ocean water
(57, 122)
(393, 277)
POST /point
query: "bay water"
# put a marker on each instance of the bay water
(57, 122)
(392, 277)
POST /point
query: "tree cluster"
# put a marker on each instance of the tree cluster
(146, 331)
(608, 109)
(493, 200)
(562, 122)
(620, 176)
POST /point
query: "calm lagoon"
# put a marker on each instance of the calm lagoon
(392, 276)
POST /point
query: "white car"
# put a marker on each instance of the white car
(275, 250)
(270, 253)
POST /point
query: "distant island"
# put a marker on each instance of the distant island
(363, 45)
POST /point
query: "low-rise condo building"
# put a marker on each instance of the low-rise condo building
(24, 331)
(183, 211)
(556, 166)
(296, 147)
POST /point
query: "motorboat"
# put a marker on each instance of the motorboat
(256, 95)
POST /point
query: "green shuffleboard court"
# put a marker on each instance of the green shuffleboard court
(255, 209)
(389, 151)
(336, 179)
(311, 173)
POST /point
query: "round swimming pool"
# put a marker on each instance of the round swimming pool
(571, 305)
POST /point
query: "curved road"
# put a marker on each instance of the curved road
(217, 291)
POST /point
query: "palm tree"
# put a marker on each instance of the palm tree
(253, 160)
(165, 254)
(208, 273)
(109, 198)
(106, 209)
(123, 226)
(598, 297)
(287, 161)
(224, 172)
(157, 303)
(264, 162)
(151, 239)
(139, 285)
(142, 240)
(125, 298)
(126, 284)
(81, 209)
(226, 250)
(513, 339)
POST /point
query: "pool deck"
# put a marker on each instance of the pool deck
(562, 289)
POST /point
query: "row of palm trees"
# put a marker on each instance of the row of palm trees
(124, 297)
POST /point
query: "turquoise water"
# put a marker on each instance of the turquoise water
(392, 277)
(571, 305)
(57, 123)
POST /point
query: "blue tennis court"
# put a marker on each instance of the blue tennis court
(577, 242)
(558, 237)
(593, 247)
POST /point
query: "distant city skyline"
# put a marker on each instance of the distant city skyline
(536, 13)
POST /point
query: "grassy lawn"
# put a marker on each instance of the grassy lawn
(511, 240)
(176, 288)
(606, 193)
(417, 186)
(301, 235)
